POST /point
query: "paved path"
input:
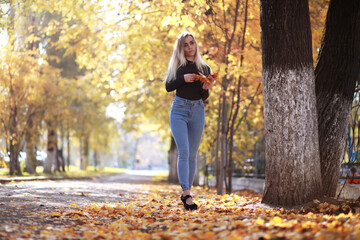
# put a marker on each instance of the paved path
(65, 192)
(18, 200)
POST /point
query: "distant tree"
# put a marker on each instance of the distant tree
(172, 160)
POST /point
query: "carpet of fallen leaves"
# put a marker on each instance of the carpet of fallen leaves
(156, 212)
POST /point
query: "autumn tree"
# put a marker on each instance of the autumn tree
(78, 50)
(239, 85)
(57, 114)
(337, 71)
(62, 71)
(292, 149)
(22, 84)
(21, 96)
(29, 23)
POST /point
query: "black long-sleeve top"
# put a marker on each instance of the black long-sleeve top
(188, 90)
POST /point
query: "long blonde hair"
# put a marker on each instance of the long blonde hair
(178, 57)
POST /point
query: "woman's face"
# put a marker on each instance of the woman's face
(189, 48)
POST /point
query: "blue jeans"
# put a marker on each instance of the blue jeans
(187, 121)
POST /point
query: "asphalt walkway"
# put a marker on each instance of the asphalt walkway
(40, 195)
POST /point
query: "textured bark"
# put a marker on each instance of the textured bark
(292, 175)
(337, 70)
(172, 159)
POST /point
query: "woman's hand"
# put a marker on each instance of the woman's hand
(189, 77)
(208, 84)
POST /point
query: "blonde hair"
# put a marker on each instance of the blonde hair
(178, 57)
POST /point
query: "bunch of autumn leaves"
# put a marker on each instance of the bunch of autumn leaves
(204, 78)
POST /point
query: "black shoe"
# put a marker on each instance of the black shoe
(187, 206)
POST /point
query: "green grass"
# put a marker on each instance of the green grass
(161, 175)
(71, 172)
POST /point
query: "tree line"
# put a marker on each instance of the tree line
(55, 83)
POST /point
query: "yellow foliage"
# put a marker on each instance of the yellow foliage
(120, 51)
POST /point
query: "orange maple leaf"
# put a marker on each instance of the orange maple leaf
(204, 78)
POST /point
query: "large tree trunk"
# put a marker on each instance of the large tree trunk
(292, 174)
(337, 70)
(172, 159)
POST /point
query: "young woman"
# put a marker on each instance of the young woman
(187, 114)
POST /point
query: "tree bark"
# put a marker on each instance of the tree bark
(57, 162)
(30, 147)
(292, 175)
(217, 148)
(51, 151)
(96, 161)
(68, 148)
(337, 70)
(172, 159)
(197, 171)
(14, 136)
(84, 151)
(14, 158)
(60, 152)
(60, 161)
(223, 146)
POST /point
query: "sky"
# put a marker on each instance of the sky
(3, 39)
(116, 111)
